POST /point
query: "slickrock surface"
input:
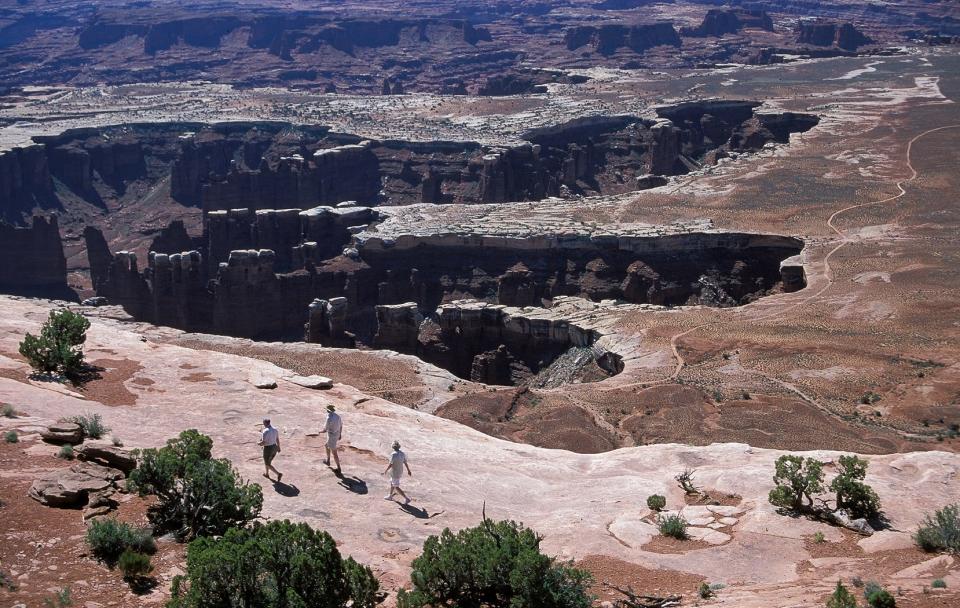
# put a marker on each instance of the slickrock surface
(585, 505)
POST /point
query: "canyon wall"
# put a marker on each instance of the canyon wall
(273, 166)
(32, 261)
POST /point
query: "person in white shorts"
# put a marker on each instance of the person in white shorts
(334, 430)
(398, 460)
(270, 440)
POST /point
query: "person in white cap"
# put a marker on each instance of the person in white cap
(270, 440)
(398, 460)
(334, 430)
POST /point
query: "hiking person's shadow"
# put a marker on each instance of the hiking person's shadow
(285, 489)
(418, 512)
(354, 484)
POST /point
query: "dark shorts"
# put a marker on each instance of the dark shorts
(269, 452)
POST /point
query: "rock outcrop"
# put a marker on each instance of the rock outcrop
(718, 22)
(24, 182)
(607, 39)
(71, 488)
(33, 260)
(841, 35)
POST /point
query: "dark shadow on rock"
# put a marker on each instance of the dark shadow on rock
(86, 374)
(285, 489)
(354, 484)
(415, 511)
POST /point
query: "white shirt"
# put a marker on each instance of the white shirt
(334, 425)
(397, 460)
(270, 436)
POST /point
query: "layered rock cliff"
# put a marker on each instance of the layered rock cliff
(32, 257)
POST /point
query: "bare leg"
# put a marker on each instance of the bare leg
(336, 458)
(327, 461)
(406, 498)
(279, 474)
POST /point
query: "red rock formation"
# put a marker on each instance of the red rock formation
(606, 39)
(841, 35)
(33, 263)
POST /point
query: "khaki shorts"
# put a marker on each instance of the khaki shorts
(269, 453)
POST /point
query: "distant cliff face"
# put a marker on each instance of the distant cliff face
(272, 165)
(841, 35)
(718, 22)
(32, 261)
(606, 39)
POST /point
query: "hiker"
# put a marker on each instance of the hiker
(398, 460)
(270, 440)
(334, 430)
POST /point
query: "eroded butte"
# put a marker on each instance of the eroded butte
(560, 271)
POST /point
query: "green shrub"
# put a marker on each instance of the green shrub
(58, 348)
(66, 452)
(11, 437)
(493, 564)
(705, 591)
(7, 411)
(60, 599)
(656, 502)
(134, 565)
(796, 479)
(841, 598)
(91, 425)
(939, 583)
(109, 538)
(280, 564)
(819, 538)
(880, 598)
(940, 532)
(674, 526)
(197, 495)
(856, 497)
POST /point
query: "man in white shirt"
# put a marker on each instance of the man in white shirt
(270, 440)
(334, 430)
(398, 460)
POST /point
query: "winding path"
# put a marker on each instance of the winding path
(828, 274)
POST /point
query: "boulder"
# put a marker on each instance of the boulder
(107, 455)
(71, 488)
(314, 382)
(63, 433)
(260, 380)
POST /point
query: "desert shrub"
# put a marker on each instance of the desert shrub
(939, 583)
(941, 532)
(879, 598)
(91, 425)
(841, 598)
(197, 495)
(856, 497)
(685, 481)
(674, 526)
(6, 581)
(796, 479)
(7, 411)
(59, 347)
(66, 452)
(134, 565)
(109, 538)
(60, 599)
(279, 564)
(705, 591)
(656, 502)
(494, 564)
(11, 437)
(819, 538)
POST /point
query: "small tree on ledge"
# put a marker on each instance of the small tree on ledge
(59, 347)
